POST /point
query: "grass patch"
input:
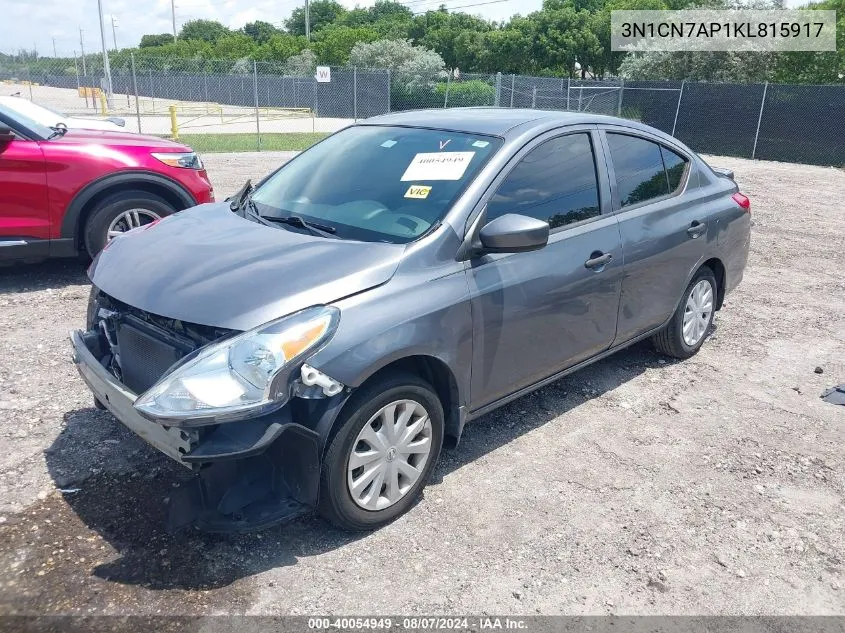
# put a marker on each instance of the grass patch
(294, 141)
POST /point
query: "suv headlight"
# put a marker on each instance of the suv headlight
(187, 160)
(241, 376)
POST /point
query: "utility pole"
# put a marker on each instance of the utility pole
(113, 32)
(173, 13)
(54, 48)
(82, 48)
(307, 20)
(106, 68)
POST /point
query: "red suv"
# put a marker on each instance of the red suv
(64, 191)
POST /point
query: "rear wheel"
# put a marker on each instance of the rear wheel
(687, 330)
(383, 454)
(122, 212)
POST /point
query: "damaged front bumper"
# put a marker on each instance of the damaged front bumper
(249, 474)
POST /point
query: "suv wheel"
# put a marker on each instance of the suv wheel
(383, 454)
(687, 330)
(122, 212)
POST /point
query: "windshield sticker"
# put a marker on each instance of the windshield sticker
(389, 144)
(438, 166)
(443, 144)
(418, 192)
(481, 144)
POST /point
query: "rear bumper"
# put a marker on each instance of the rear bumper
(250, 474)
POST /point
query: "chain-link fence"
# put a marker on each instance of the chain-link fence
(241, 104)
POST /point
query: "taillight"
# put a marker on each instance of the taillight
(742, 200)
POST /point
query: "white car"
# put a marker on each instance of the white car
(51, 118)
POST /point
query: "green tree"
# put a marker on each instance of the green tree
(160, 39)
(334, 43)
(815, 67)
(260, 32)
(322, 13)
(206, 30)
(302, 65)
(282, 46)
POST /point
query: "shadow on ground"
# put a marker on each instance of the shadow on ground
(51, 273)
(129, 508)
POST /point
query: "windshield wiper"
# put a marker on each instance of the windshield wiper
(242, 204)
(294, 220)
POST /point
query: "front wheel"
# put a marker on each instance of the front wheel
(687, 330)
(383, 454)
(122, 212)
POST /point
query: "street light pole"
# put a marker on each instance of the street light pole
(173, 14)
(106, 67)
(82, 48)
(54, 47)
(113, 32)
(307, 20)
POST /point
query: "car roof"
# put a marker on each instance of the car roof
(496, 121)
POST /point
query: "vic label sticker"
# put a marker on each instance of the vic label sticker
(438, 166)
(417, 192)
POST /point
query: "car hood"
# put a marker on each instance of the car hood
(76, 135)
(211, 267)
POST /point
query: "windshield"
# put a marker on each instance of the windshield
(377, 184)
(24, 121)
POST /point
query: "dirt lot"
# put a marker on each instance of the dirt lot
(638, 486)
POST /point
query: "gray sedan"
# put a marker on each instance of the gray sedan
(313, 341)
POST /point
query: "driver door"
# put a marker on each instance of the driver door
(24, 210)
(535, 314)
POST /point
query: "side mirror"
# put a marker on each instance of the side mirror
(117, 121)
(512, 233)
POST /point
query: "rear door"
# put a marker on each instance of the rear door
(535, 314)
(663, 235)
(24, 212)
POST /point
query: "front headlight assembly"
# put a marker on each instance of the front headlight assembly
(240, 377)
(186, 160)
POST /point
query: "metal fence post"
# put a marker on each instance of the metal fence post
(257, 117)
(568, 86)
(534, 97)
(678, 108)
(355, 92)
(760, 119)
(389, 91)
(448, 85)
(135, 89)
(621, 92)
(152, 91)
(498, 89)
(513, 87)
(29, 81)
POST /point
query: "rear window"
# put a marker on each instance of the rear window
(374, 183)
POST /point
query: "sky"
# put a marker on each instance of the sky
(34, 23)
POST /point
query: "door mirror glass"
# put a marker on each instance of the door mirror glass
(513, 233)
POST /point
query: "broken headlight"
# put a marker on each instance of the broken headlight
(239, 377)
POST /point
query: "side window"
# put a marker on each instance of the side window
(638, 164)
(555, 182)
(675, 165)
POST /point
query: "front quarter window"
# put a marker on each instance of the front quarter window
(376, 183)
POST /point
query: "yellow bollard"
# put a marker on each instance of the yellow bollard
(103, 104)
(174, 126)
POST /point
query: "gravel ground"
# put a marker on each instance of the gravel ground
(637, 486)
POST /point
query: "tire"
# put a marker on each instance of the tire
(97, 227)
(336, 500)
(671, 340)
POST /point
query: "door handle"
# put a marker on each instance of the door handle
(598, 260)
(697, 229)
